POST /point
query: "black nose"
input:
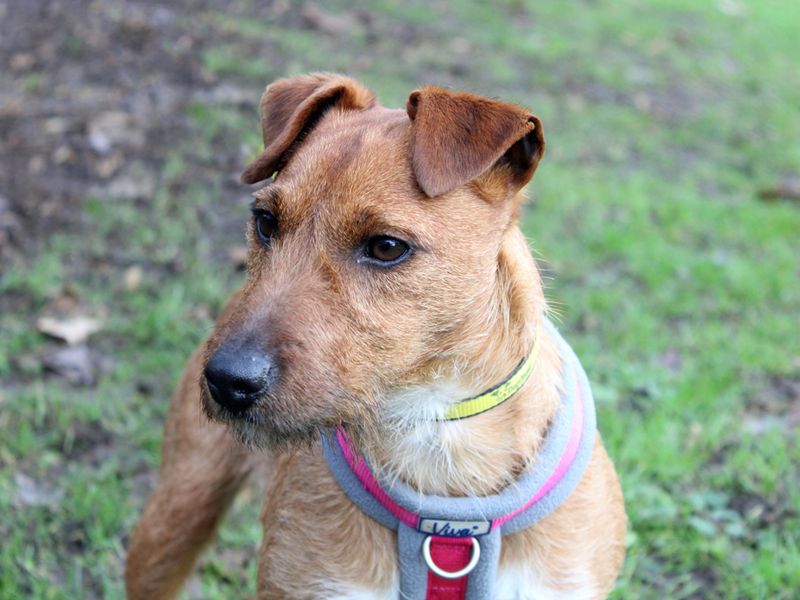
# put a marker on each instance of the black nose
(236, 377)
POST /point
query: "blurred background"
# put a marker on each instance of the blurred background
(665, 215)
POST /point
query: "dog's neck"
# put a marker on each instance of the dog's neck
(477, 455)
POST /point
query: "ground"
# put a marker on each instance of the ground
(665, 216)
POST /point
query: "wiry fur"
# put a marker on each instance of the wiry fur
(379, 351)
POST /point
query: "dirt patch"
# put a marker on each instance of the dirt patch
(775, 406)
(93, 98)
(761, 512)
(88, 442)
(706, 578)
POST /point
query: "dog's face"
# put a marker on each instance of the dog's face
(373, 254)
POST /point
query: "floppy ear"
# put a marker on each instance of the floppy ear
(291, 107)
(458, 136)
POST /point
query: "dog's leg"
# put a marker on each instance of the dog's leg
(202, 468)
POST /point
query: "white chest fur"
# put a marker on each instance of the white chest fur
(524, 584)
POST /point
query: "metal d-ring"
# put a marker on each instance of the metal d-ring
(476, 554)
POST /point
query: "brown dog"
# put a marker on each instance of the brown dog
(387, 278)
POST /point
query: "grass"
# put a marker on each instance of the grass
(677, 286)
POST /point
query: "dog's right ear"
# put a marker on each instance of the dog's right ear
(457, 136)
(291, 107)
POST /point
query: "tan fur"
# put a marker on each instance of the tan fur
(355, 340)
(202, 468)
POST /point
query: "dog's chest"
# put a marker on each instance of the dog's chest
(320, 545)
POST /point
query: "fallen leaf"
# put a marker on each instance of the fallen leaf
(315, 17)
(133, 278)
(114, 128)
(72, 330)
(67, 302)
(22, 61)
(76, 364)
(787, 189)
(32, 493)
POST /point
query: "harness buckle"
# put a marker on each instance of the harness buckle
(473, 560)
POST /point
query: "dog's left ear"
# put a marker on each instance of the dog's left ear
(458, 136)
(292, 107)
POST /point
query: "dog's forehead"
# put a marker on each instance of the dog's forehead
(349, 156)
(352, 175)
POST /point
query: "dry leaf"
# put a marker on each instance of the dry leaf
(72, 330)
(787, 189)
(30, 492)
(76, 364)
(133, 278)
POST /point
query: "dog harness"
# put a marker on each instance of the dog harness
(449, 547)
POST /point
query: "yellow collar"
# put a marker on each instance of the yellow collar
(499, 393)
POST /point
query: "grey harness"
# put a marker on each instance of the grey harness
(547, 482)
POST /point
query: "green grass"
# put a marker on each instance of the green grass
(677, 286)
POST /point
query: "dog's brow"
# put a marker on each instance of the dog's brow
(267, 197)
(373, 223)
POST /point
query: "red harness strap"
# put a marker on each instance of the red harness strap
(449, 554)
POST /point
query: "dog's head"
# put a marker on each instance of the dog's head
(374, 252)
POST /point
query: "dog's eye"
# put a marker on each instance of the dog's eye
(266, 225)
(386, 249)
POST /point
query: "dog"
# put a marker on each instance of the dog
(388, 281)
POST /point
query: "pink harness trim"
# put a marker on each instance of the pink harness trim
(563, 466)
(367, 479)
